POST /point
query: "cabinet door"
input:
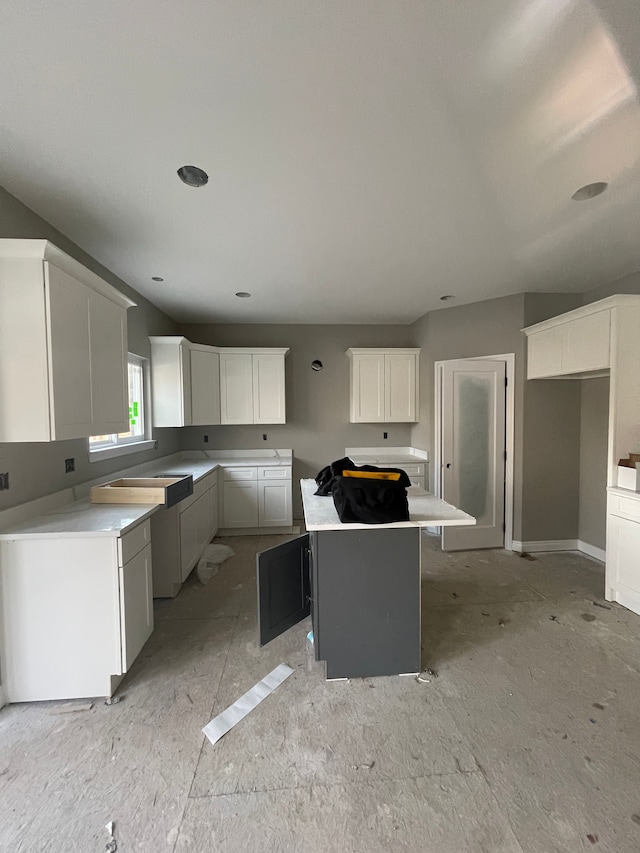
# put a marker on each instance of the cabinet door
(136, 605)
(171, 380)
(236, 388)
(400, 385)
(586, 343)
(203, 522)
(283, 587)
(213, 508)
(240, 503)
(205, 387)
(367, 388)
(274, 503)
(109, 377)
(188, 539)
(268, 389)
(69, 355)
(544, 353)
(623, 548)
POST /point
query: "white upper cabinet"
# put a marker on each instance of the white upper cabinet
(575, 343)
(236, 388)
(384, 385)
(252, 386)
(171, 381)
(205, 385)
(63, 347)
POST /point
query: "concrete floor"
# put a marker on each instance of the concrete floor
(528, 739)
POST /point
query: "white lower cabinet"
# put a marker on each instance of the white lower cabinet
(240, 503)
(179, 535)
(623, 550)
(136, 605)
(76, 612)
(256, 497)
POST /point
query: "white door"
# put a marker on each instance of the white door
(236, 388)
(473, 450)
(268, 389)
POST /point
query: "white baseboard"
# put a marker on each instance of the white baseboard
(561, 545)
(591, 551)
(546, 545)
(627, 599)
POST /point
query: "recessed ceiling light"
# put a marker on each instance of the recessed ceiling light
(447, 297)
(156, 278)
(242, 294)
(589, 191)
(192, 176)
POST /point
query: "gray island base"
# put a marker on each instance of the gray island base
(360, 582)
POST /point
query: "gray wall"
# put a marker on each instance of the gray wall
(594, 422)
(317, 428)
(547, 414)
(37, 469)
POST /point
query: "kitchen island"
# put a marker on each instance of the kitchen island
(360, 582)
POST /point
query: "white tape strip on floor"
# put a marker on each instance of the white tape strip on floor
(225, 721)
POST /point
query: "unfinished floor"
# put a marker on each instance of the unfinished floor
(528, 739)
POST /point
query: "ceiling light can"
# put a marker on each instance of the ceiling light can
(193, 176)
(589, 191)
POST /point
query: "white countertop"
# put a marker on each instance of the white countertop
(387, 455)
(76, 518)
(623, 493)
(243, 458)
(425, 510)
(82, 518)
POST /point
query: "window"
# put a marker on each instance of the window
(106, 446)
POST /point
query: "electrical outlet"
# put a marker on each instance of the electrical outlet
(4, 481)
(206, 439)
(385, 435)
(69, 465)
(264, 436)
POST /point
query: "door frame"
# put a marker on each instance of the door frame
(510, 361)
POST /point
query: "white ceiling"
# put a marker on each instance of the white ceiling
(365, 156)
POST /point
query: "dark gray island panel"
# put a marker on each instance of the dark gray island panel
(367, 597)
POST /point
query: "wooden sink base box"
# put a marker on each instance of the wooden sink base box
(144, 490)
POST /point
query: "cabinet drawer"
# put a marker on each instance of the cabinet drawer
(133, 542)
(274, 473)
(199, 489)
(624, 507)
(411, 470)
(241, 473)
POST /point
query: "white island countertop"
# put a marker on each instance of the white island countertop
(425, 510)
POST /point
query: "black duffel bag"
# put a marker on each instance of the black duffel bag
(371, 495)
